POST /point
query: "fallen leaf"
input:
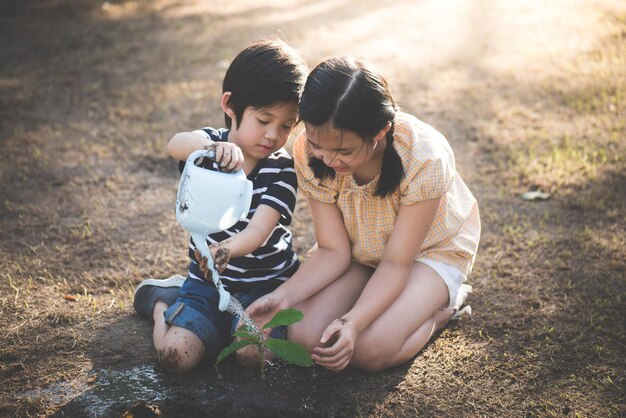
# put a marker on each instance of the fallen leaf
(71, 298)
(535, 195)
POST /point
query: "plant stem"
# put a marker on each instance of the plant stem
(261, 359)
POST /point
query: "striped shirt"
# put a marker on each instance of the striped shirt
(430, 172)
(274, 184)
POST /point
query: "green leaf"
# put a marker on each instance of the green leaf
(285, 317)
(290, 351)
(244, 332)
(232, 348)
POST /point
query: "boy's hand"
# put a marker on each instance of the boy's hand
(202, 265)
(228, 155)
(221, 255)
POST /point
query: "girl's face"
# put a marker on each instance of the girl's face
(264, 130)
(346, 152)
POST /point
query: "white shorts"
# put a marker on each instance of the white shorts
(454, 279)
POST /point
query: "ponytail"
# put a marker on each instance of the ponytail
(392, 172)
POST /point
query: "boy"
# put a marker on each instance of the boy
(260, 96)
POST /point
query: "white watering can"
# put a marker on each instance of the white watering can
(211, 201)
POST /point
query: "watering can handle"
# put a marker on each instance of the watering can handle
(209, 152)
(206, 152)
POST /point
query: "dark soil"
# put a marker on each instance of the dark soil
(530, 95)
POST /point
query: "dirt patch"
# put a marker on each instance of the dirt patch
(531, 96)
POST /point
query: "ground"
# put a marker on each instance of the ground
(531, 95)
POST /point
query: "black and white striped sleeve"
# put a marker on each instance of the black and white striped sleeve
(281, 193)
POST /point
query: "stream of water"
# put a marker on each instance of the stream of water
(235, 308)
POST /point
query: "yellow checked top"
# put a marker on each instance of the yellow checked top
(430, 172)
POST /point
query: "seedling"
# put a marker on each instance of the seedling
(289, 351)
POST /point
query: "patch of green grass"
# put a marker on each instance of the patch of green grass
(581, 131)
(551, 165)
(596, 99)
(82, 231)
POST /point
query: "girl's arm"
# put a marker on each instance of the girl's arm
(391, 275)
(324, 264)
(228, 155)
(386, 284)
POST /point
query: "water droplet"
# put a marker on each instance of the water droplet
(234, 307)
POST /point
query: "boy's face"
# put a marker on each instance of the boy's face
(264, 130)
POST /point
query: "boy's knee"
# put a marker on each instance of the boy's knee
(177, 357)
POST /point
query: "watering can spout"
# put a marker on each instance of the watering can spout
(203, 248)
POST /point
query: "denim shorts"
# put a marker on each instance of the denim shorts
(196, 310)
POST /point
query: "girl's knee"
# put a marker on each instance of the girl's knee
(303, 336)
(371, 359)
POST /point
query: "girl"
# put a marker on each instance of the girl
(397, 229)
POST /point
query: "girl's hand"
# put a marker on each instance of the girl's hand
(228, 155)
(340, 338)
(263, 310)
(221, 255)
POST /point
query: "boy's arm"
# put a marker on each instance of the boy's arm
(276, 205)
(228, 155)
(252, 237)
(256, 233)
(184, 143)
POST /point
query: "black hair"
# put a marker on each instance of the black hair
(266, 73)
(353, 96)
